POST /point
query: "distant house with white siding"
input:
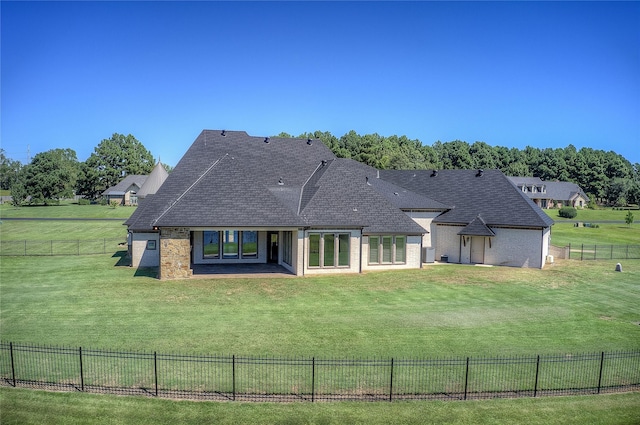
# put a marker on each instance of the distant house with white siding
(550, 194)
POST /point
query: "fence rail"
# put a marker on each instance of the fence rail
(59, 247)
(311, 379)
(604, 252)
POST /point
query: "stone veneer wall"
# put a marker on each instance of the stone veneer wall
(175, 253)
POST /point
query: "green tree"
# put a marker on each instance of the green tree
(629, 218)
(18, 188)
(9, 170)
(112, 160)
(51, 175)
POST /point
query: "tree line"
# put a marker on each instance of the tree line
(57, 174)
(608, 178)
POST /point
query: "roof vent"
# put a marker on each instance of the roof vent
(266, 140)
(367, 177)
(480, 172)
(309, 142)
(280, 182)
(433, 173)
(396, 193)
(224, 133)
(324, 162)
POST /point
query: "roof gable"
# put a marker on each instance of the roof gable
(470, 193)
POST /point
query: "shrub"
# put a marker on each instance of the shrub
(114, 203)
(84, 201)
(568, 212)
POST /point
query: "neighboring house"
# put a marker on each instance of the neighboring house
(548, 194)
(153, 182)
(125, 192)
(238, 199)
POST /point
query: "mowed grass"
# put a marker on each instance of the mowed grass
(66, 209)
(39, 230)
(37, 407)
(563, 234)
(598, 214)
(446, 310)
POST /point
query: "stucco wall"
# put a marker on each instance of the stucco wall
(140, 255)
(424, 219)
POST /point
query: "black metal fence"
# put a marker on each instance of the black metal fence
(311, 379)
(604, 252)
(59, 247)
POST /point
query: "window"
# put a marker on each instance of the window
(151, 244)
(314, 250)
(211, 245)
(287, 245)
(249, 244)
(231, 243)
(329, 250)
(387, 249)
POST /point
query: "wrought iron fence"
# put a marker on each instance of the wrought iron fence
(604, 252)
(59, 247)
(311, 379)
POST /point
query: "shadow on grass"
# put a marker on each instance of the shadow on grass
(125, 261)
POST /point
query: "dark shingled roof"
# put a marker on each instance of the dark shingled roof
(236, 180)
(470, 193)
(476, 228)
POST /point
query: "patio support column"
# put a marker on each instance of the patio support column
(175, 253)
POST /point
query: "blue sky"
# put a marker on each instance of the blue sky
(544, 74)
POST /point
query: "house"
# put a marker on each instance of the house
(547, 194)
(125, 192)
(153, 182)
(239, 199)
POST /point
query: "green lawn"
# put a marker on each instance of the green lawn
(588, 215)
(563, 234)
(18, 406)
(442, 310)
(66, 209)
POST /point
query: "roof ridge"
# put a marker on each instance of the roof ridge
(182, 195)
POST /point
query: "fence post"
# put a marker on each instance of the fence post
(581, 252)
(25, 248)
(81, 370)
(155, 370)
(78, 244)
(104, 245)
(535, 388)
(611, 253)
(466, 379)
(600, 375)
(51, 248)
(233, 376)
(13, 368)
(313, 379)
(391, 382)
(595, 252)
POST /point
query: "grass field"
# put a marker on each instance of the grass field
(439, 311)
(38, 407)
(66, 209)
(599, 214)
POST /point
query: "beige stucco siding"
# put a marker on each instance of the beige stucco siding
(518, 248)
(140, 255)
(424, 219)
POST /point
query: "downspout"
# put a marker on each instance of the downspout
(421, 251)
(361, 245)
